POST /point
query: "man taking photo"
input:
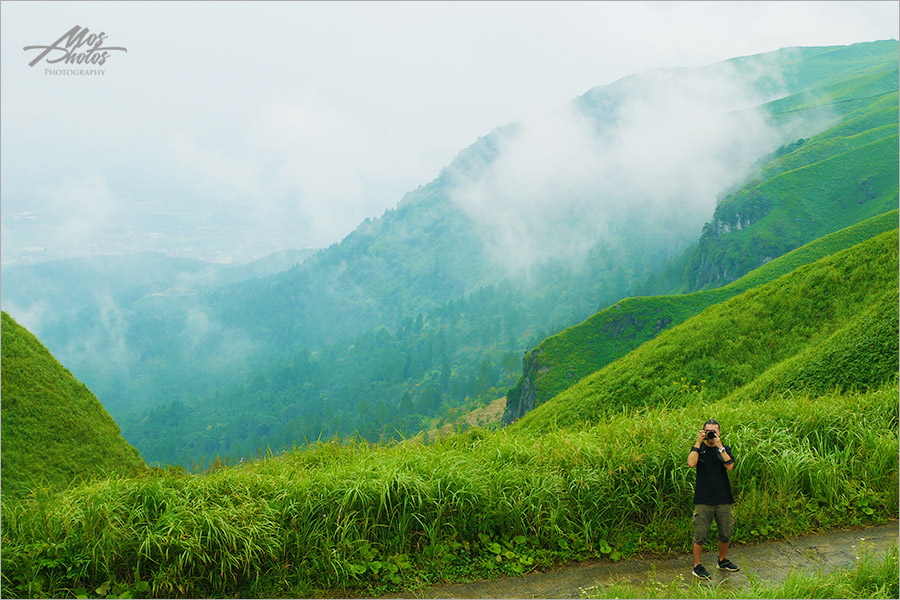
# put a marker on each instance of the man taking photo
(712, 495)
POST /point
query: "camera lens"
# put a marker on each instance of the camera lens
(710, 434)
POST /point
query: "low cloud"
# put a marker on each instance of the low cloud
(298, 170)
(652, 151)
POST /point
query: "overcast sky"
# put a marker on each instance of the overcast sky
(230, 130)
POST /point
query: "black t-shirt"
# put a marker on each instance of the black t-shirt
(713, 486)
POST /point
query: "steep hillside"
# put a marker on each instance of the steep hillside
(562, 360)
(812, 187)
(801, 328)
(54, 430)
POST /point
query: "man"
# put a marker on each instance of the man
(712, 495)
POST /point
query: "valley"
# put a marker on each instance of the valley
(500, 375)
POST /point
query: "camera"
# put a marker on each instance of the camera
(710, 434)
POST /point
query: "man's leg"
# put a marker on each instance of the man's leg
(725, 525)
(703, 516)
(723, 550)
(702, 520)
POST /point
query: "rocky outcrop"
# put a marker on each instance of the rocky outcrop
(522, 397)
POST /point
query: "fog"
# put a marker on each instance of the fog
(233, 129)
(659, 151)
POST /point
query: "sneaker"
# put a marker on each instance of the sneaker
(701, 572)
(727, 565)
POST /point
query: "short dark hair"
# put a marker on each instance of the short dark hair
(711, 422)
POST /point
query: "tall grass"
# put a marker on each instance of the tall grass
(339, 517)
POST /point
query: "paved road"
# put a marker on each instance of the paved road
(771, 561)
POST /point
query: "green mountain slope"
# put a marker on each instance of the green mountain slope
(731, 344)
(805, 190)
(861, 355)
(54, 429)
(562, 360)
(815, 186)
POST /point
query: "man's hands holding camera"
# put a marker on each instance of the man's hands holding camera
(709, 435)
(711, 438)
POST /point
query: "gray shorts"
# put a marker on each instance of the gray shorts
(703, 518)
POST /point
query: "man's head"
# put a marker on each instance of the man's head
(711, 425)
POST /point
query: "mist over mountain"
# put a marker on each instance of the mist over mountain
(427, 309)
(647, 153)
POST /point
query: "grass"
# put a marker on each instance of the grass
(873, 576)
(336, 519)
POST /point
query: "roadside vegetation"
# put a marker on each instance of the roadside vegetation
(339, 519)
(873, 576)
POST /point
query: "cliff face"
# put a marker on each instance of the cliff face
(523, 397)
(713, 264)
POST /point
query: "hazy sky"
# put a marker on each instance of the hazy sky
(233, 129)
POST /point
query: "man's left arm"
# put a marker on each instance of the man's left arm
(724, 455)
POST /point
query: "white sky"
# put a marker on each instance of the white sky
(233, 129)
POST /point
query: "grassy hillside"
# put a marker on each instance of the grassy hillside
(815, 186)
(54, 430)
(815, 307)
(811, 188)
(562, 360)
(339, 520)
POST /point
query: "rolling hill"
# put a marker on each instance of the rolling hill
(796, 332)
(54, 430)
(560, 361)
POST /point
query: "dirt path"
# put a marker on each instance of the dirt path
(770, 561)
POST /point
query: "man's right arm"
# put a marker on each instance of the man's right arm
(694, 454)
